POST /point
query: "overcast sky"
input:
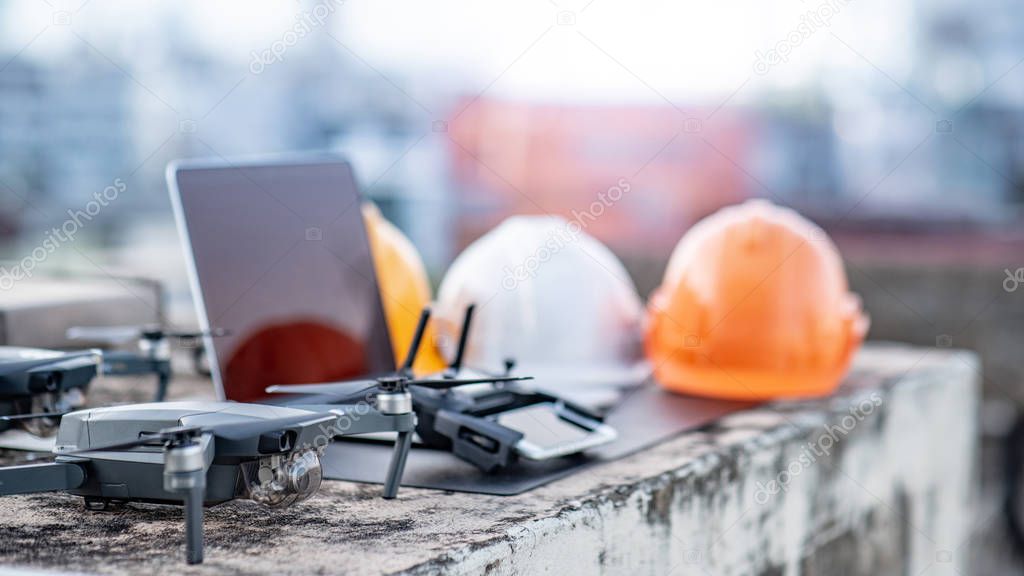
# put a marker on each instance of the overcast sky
(604, 50)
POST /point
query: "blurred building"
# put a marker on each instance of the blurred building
(635, 177)
(864, 150)
(64, 134)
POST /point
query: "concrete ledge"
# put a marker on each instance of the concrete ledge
(38, 311)
(875, 480)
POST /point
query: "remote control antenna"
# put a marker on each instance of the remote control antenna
(414, 346)
(467, 321)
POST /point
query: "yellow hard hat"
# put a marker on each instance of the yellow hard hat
(755, 305)
(404, 289)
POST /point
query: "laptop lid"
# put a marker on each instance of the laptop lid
(279, 257)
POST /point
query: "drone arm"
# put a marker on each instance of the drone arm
(31, 478)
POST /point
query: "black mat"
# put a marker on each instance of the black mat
(646, 417)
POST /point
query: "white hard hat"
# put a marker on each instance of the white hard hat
(549, 296)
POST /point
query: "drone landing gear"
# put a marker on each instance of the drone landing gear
(402, 445)
(32, 478)
(185, 474)
(194, 525)
(163, 380)
(95, 504)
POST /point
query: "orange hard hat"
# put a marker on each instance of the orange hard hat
(754, 305)
(404, 289)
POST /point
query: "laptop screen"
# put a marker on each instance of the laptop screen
(279, 258)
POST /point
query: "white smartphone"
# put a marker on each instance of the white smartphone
(552, 430)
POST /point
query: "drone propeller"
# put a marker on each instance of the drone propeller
(123, 334)
(356, 387)
(179, 435)
(167, 436)
(158, 334)
(241, 430)
(17, 417)
(346, 388)
(403, 377)
(446, 383)
(107, 334)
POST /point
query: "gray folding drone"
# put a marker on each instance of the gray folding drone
(152, 353)
(37, 386)
(202, 453)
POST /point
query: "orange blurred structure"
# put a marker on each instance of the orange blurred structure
(634, 177)
(754, 305)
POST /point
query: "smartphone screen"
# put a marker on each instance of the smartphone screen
(543, 427)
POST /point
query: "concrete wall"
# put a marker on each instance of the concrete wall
(875, 481)
(965, 305)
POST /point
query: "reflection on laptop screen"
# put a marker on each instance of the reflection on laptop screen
(280, 258)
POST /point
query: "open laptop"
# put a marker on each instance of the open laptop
(279, 258)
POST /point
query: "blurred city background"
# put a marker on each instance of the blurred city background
(897, 125)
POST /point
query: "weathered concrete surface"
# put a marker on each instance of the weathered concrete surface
(887, 492)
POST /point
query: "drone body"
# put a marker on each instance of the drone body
(122, 475)
(151, 353)
(133, 363)
(35, 383)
